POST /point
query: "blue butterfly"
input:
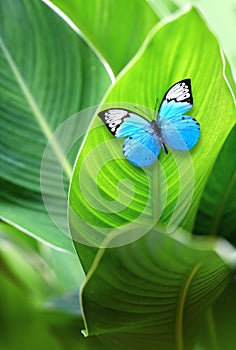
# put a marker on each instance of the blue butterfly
(172, 127)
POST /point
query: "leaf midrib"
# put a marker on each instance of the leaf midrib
(36, 111)
(181, 305)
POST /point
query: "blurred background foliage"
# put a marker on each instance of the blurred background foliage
(67, 69)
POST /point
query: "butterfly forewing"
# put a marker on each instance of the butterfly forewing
(113, 118)
(180, 92)
(177, 100)
(179, 131)
(117, 119)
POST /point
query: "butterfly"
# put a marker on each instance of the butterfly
(171, 128)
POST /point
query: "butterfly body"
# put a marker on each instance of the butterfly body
(145, 139)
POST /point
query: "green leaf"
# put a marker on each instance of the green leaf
(39, 271)
(28, 278)
(40, 95)
(163, 8)
(222, 19)
(42, 84)
(19, 314)
(218, 329)
(154, 292)
(173, 186)
(25, 210)
(216, 213)
(115, 28)
(22, 263)
(39, 296)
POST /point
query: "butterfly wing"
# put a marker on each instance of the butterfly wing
(142, 149)
(181, 133)
(142, 145)
(177, 100)
(178, 131)
(122, 122)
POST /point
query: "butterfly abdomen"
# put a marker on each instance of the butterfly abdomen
(156, 128)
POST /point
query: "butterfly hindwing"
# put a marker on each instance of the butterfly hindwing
(141, 146)
(178, 131)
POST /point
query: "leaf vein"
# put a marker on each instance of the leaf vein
(36, 111)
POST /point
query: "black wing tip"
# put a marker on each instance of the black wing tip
(188, 82)
(101, 115)
(113, 122)
(103, 112)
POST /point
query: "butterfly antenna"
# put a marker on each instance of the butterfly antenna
(164, 147)
(155, 108)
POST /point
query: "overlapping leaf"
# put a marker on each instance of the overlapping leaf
(39, 271)
(47, 74)
(173, 53)
(216, 214)
(116, 28)
(218, 328)
(30, 278)
(153, 293)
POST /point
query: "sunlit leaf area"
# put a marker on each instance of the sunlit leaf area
(102, 248)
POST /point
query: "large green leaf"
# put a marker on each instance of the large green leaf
(23, 265)
(31, 296)
(170, 54)
(216, 213)
(20, 324)
(218, 330)
(116, 28)
(24, 326)
(47, 74)
(39, 271)
(25, 210)
(221, 16)
(154, 292)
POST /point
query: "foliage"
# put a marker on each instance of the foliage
(171, 285)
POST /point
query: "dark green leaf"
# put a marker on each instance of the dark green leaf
(153, 293)
(217, 210)
(218, 329)
(47, 74)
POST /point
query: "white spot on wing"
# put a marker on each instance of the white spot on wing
(178, 92)
(114, 118)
